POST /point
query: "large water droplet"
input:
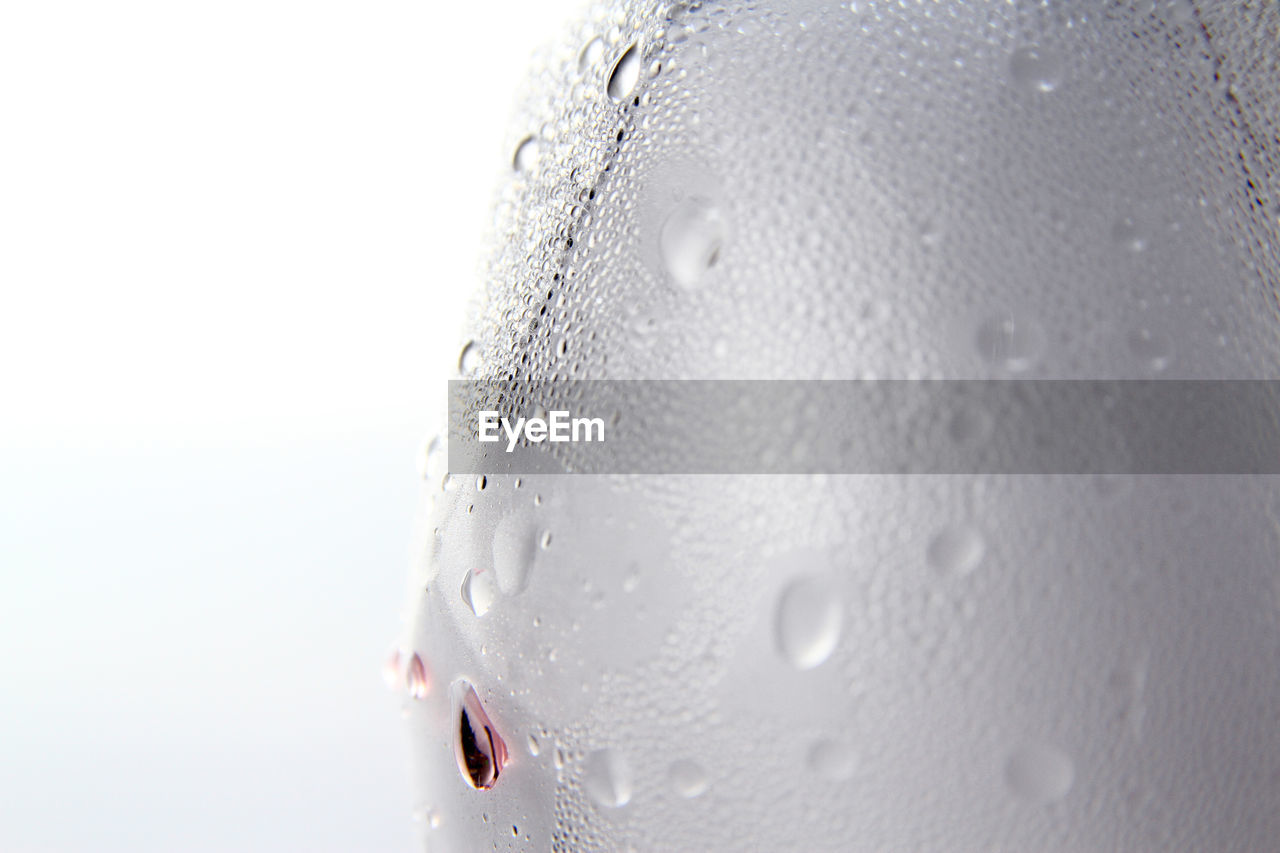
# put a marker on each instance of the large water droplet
(514, 545)
(1036, 69)
(1010, 343)
(526, 157)
(417, 680)
(1152, 349)
(1039, 773)
(478, 591)
(956, 550)
(691, 239)
(606, 778)
(688, 779)
(831, 760)
(469, 359)
(479, 749)
(809, 621)
(625, 74)
(590, 55)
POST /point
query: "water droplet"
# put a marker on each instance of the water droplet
(417, 681)
(391, 669)
(1126, 233)
(1036, 69)
(688, 778)
(956, 550)
(625, 74)
(1151, 348)
(545, 541)
(534, 746)
(432, 451)
(809, 621)
(590, 55)
(691, 240)
(526, 157)
(606, 778)
(1039, 773)
(478, 591)
(481, 482)
(514, 547)
(479, 749)
(831, 760)
(1009, 343)
(469, 359)
(631, 579)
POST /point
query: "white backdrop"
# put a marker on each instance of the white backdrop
(235, 241)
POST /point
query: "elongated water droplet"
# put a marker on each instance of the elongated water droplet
(691, 240)
(417, 680)
(625, 74)
(688, 778)
(479, 749)
(478, 591)
(1039, 773)
(808, 622)
(606, 777)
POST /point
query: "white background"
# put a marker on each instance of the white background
(235, 243)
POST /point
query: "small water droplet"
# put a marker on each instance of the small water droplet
(625, 74)
(956, 550)
(831, 760)
(631, 579)
(534, 746)
(1151, 348)
(1036, 69)
(809, 621)
(469, 359)
(1039, 773)
(526, 157)
(590, 56)
(1010, 343)
(481, 482)
(1126, 233)
(691, 240)
(478, 591)
(545, 541)
(478, 748)
(688, 779)
(930, 234)
(606, 777)
(417, 680)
